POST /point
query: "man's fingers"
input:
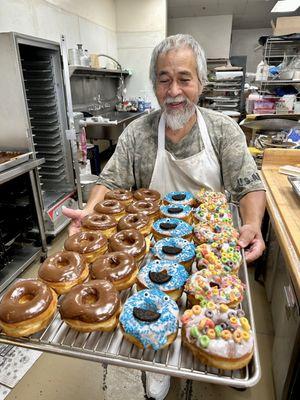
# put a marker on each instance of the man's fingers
(246, 237)
(255, 251)
(70, 213)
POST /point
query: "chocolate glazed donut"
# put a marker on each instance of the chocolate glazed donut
(140, 222)
(63, 270)
(147, 195)
(118, 267)
(107, 224)
(130, 241)
(144, 207)
(94, 305)
(90, 244)
(122, 195)
(27, 307)
(110, 207)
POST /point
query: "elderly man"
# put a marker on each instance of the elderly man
(184, 147)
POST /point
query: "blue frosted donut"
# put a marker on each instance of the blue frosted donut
(179, 198)
(151, 317)
(171, 227)
(174, 278)
(181, 211)
(186, 254)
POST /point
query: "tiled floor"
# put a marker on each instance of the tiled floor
(63, 378)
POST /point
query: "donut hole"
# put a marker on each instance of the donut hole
(63, 262)
(89, 238)
(109, 203)
(100, 218)
(128, 240)
(114, 261)
(90, 296)
(26, 298)
(214, 284)
(133, 219)
(145, 205)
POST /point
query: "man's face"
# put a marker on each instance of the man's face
(177, 80)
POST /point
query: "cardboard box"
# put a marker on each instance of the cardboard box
(286, 26)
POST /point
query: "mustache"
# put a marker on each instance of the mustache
(177, 99)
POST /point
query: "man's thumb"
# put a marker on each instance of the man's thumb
(246, 237)
(70, 213)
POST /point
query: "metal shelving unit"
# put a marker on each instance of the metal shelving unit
(112, 348)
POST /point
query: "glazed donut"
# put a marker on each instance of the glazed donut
(212, 199)
(91, 306)
(218, 336)
(171, 227)
(215, 233)
(144, 207)
(147, 195)
(183, 198)
(119, 268)
(150, 319)
(175, 249)
(104, 223)
(89, 244)
(130, 241)
(63, 270)
(139, 222)
(124, 196)
(180, 211)
(164, 275)
(209, 285)
(220, 216)
(27, 307)
(110, 207)
(223, 257)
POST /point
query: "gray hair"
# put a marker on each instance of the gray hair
(177, 42)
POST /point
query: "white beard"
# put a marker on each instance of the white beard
(178, 119)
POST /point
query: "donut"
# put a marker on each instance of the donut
(149, 319)
(147, 195)
(122, 195)
(27, 307)
(211, 199)
(223, 257)
(209, 285)
(104, 223)
(91, 306)
(215, 233)
(110, 207)
(218, 336)
(183, 198)
(175, 249)
(118, 267)
(144, 207)
(63, 270)
(139, 222)
(89, 244)
(171, 227)
(130, 241)
(164, 275)
(219, 216)
(180, 211)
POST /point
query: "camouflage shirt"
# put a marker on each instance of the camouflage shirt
(132, 163)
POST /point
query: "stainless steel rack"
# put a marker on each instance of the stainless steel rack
(112, 348)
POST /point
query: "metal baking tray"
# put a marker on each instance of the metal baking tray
(295, 182)
(112, 348)
(14, 160)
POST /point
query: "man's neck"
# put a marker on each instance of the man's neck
(177, 135)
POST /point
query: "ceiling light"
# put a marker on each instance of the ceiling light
(284, 6)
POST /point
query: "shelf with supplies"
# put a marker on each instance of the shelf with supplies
(77, 70)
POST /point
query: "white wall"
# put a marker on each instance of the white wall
(213, 33)
(141, 25)
(91, 23)
(244, 41)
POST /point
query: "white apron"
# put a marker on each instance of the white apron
(188, 174)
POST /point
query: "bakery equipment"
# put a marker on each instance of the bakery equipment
(112, 348)
(34, 102)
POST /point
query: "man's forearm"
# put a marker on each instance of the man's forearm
(252, 208)
(96, 195)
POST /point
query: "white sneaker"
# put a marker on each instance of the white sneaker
(157, 385)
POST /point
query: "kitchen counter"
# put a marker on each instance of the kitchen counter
(283, 206)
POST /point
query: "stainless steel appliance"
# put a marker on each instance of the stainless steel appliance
(35, 119)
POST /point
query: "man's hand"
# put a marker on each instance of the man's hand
(76, 216)
(252, 241)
